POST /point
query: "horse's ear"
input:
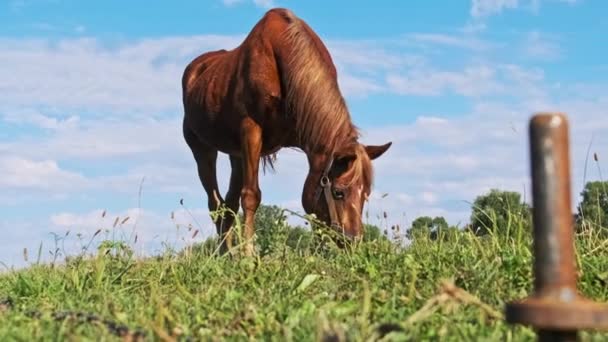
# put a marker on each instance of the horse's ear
(375, 151)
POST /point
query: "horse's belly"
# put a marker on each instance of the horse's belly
(222, 132)
(215, 132)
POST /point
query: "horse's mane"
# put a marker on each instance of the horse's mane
(312, 93)
(313, 97)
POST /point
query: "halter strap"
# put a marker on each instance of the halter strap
(325, 187)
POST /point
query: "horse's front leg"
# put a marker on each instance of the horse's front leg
(251, 196)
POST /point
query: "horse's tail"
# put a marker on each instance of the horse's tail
(310, 84)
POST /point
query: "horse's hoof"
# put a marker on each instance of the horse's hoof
(248, 250)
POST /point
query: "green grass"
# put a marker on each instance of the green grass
(300, 290)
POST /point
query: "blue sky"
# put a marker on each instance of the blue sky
(90, 105)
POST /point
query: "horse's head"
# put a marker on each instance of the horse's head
(337, 187)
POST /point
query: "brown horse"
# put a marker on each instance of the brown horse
(278, 89)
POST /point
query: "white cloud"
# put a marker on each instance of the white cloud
(485, 8)
(20, 173)
(30, 116)
(429, 197)
(151, 227)
(451, 160)
(570, 2)
(472, 27)
(481, 8)
(467, 42)
(540, 46)
(472, 81)
(83, 73)
(357, 86)
(105, 139)
(91, 221)
(141, 77)
(74, 230)
(431, 120)
(463, 157)
(361, 65)
(266, 3)
(259, 3)
(425, 164)
(370, 57)
(402, 208)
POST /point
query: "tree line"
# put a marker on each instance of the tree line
(494, 212)
(497, 211)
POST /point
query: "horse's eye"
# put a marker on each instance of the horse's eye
(338, 194)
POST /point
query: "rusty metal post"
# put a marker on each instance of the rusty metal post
(555, 309)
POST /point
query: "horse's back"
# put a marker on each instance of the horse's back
(197, 67)
(223, 88)
(262, 36)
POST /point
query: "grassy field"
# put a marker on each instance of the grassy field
(300, 288)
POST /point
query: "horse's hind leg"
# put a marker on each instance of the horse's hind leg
(206, 158)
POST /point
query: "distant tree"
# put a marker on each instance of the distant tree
(268, 216)
(271, 227)
(371, 232)
(593, 209)
(427, 226)
(497, 211)
(299, 238)
(445, 234)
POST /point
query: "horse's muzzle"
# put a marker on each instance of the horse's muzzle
(343, 233)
